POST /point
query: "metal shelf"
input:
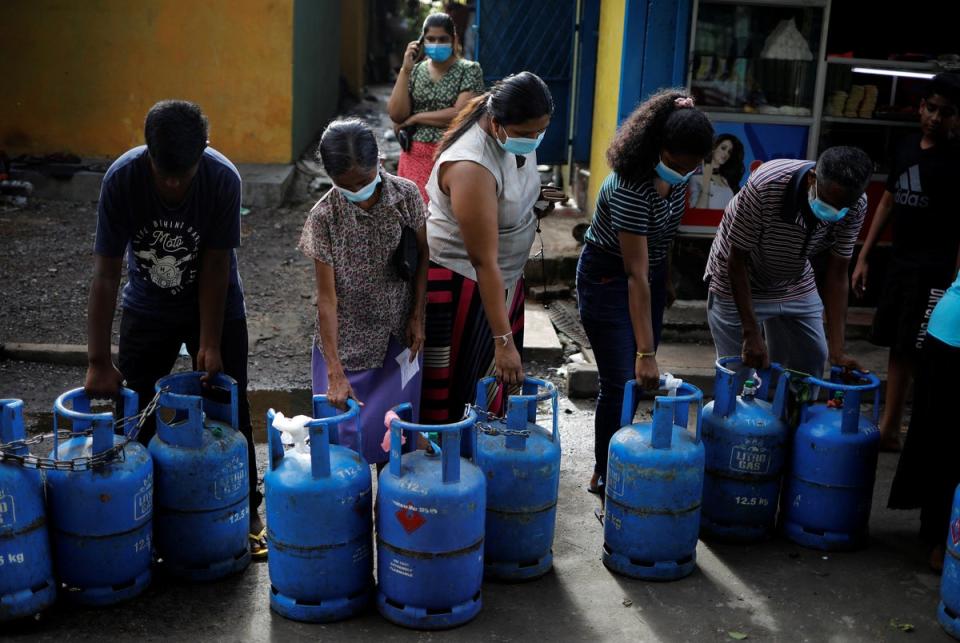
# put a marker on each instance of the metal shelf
(869, 121)
(904, 65)
(753, 117)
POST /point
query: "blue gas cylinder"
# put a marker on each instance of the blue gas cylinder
(745, 439)
(26, 568)
(430, 521)
(948, 612)
(319, 519)
(521, 462)
(833, 466)
(654, 489)
(101, 517)
(202, 487)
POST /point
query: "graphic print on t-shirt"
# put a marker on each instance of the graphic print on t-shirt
(909, 191)
(166, 253)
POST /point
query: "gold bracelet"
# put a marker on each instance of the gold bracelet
(641, 355)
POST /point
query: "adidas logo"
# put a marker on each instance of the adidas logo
(909, 191)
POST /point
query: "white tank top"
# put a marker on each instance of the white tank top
(517, 191)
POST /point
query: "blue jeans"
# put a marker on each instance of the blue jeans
(605, 313)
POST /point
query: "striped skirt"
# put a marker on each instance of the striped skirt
(459, 348)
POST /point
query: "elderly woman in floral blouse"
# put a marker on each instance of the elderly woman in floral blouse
(370, 317)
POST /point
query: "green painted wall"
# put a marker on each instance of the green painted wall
(316, 69)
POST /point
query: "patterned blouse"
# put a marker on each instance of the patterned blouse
(430, 96)
(372, 301)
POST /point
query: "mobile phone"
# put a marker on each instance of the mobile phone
(421, 51)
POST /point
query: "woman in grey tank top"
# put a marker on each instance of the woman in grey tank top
(480, 229)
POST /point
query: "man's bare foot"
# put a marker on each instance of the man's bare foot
(936, 558)
(256, 523)
(596, 484)
(890, 443)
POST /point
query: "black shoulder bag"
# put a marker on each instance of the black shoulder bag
(406, 257)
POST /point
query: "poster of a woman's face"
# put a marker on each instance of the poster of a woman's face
(722, 172)
(738, 149)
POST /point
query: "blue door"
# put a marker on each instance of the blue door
(538, 36)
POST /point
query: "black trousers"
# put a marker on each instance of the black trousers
(927, 473)
(148, 350)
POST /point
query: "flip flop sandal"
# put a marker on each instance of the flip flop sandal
(598, 514)
(597, 489)
(258, 545)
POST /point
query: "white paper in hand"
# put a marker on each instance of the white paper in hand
(407, 368)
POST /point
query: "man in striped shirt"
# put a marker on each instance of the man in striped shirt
(759, 271)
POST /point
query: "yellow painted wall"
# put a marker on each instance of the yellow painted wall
(606, 94)
(80, 75)
(353, 43)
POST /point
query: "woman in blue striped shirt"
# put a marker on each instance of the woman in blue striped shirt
(622, 273)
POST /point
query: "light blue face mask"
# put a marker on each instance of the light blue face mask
(671, 176)
(363, 193)
(519, 145)
(823, 210)
(439, 53)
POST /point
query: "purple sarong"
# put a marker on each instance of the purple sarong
(380, 389)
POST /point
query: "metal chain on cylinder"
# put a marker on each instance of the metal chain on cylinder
(9, 451)
(485, 420)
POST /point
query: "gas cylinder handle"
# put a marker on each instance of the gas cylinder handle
(725, 386)
(323, 431)
(523, 408)
(780, 395)
(78, 412)
(667, 411)
(274, 444)
(11, 423)
(851, 416)
(185, 392)
(449, 440)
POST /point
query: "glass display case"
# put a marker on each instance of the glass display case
(755, 67)
(871, 104)
(757, 58)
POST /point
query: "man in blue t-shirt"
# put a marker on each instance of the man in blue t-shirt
(172, 207)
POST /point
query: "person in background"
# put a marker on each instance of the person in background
(370, 318)
(623, 269)
(927, 474)
(722, 171)
(480, 229)
(763, 302)
(919, 199)
(173, 207)
(428, 95)
(460, 13)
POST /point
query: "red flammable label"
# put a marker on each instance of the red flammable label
(955, 532)
(410, 520)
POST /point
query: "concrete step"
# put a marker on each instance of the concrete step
(694, 363)
(264, 185)
(560, 249)
(686, 321)
(67, 354)
(540, 341)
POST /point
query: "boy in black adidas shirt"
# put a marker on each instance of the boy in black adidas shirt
(921, 201)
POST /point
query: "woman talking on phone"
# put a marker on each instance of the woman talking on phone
(433, 85)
